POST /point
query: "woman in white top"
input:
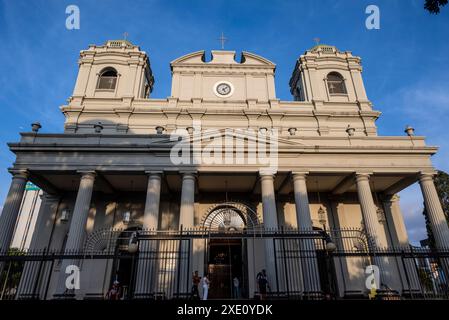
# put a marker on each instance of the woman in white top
(206, 283)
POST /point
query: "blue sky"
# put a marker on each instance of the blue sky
(406, 62)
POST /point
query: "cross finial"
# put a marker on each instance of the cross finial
(317, 40)
(125, 35)
(222, 39)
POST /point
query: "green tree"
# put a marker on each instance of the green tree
(10, 277)
(434, 6)
(442, 186)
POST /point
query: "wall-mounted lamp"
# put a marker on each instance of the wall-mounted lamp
(98, 127)
(133, 244)
(292, 131)
(350, 130)
(126, 217)
(322, 216)
(65, 215)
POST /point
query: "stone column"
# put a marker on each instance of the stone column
(151, 213)
(303, 218)
(269, 222)
(11, 208)
(368, 208)
(399, 239)
(435, 213)
(32, 284)
(187, 212)
(77, 227)
(309, 261)
(187, 221)
(146, 266)
(395, 221)
(370, 219)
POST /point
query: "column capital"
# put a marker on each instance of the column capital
(267, 173)
(302, 175)
(389, 198)
(188, 172)
(87, 173)
(426, 176)
(49, 196)
(19, 173)
(266, 176)
(154, 173)
(362, 176)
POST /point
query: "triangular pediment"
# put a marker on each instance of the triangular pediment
(249, 58)
(242, 135)
(191, 58)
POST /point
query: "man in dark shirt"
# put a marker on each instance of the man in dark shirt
(195, 283)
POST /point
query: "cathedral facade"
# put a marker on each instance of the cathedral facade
(221, 177)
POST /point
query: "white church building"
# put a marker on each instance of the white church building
(222, 178)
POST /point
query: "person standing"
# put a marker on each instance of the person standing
(196, 279)
(206, 283)
(262, 281)
(236, 288)
(115, 292)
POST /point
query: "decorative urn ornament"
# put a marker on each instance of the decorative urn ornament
(98, 127)
(409, 130)
(350, 130)
(35, 126)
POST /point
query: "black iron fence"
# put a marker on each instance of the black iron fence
(136, 264)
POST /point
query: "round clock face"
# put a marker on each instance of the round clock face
(223, 89)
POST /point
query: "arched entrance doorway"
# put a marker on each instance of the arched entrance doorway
(226, 258)
(124, 265)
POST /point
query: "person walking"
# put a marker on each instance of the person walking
(206, 284)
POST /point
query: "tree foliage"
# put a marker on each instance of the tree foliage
(442, 186)
(434, 6)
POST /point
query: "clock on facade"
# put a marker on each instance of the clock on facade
(223, 89)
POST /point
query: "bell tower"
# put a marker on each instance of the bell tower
(116, 70)
(325, 74)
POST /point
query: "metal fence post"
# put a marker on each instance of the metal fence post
(285, 262)
(178, 279)
(36, 283)
(47, 286)
(275, 265)
(406, 275)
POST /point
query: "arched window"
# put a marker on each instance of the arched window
(108, 79)
(336, 83)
